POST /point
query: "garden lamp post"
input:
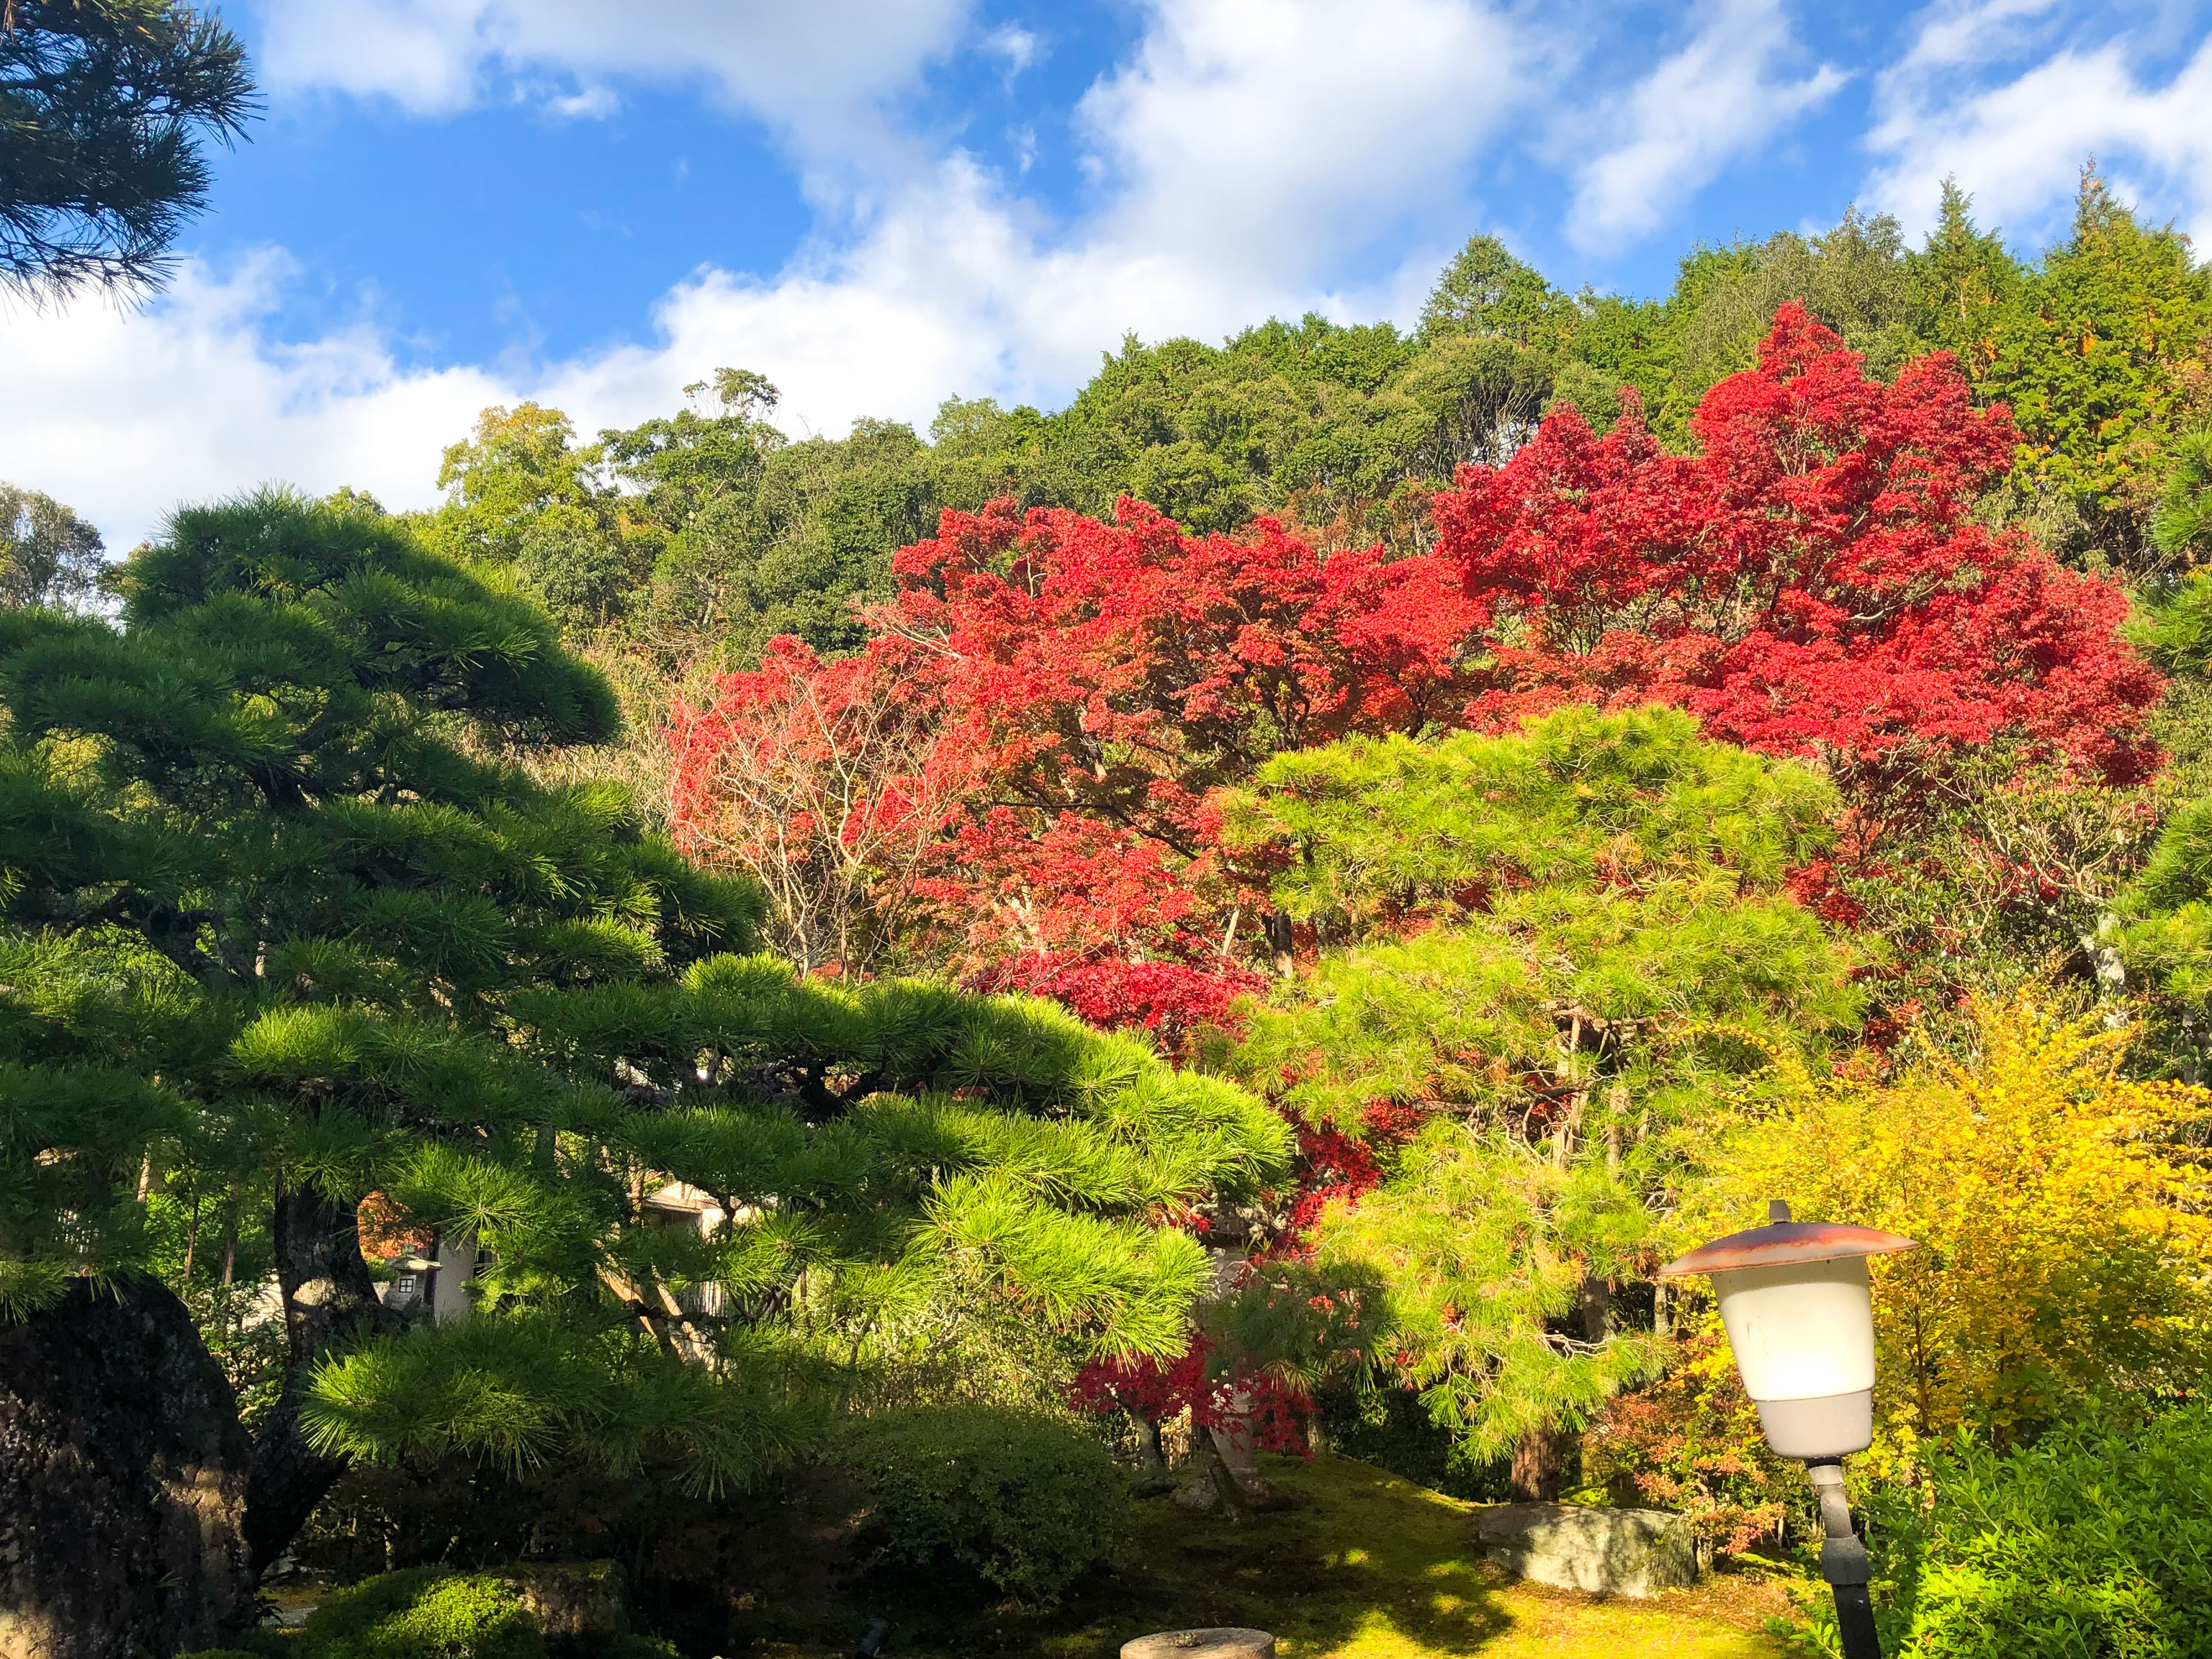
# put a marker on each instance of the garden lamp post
(1799, 1311)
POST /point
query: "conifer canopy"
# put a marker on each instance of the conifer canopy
(283, 917)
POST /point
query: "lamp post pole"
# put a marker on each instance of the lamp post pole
(1844, 1563)
(1798, 1306)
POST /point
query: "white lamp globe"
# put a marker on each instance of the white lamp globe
(1799, 1311)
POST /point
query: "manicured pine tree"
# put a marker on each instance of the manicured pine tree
(283, 919)
(1563, 949)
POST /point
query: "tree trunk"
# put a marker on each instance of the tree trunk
(1595, 1300)
(329, 1297)
(1539, 1460)
(1148, 1446)
(122, 1478)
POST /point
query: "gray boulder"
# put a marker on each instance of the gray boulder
(1588, 1548)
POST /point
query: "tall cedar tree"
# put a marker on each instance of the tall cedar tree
(1567, 953)
(2107, 364)
(104, 107)
(279, 920)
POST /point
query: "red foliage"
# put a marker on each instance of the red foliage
(1110, 675)
(1171, 1000)
(1811, 583)
(1272, 1412)
(1016, 765)
(831, 785)
(1120, 671)
(387, 1232)
(1333, 1164)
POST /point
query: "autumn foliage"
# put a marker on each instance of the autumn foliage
(1053, 697)
(1810, 582)
(1244, 1404)
(1013, 777)
(831, 786)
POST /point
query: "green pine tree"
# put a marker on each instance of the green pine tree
(104, 107)
(285, 924)
(1569, 949)
(2181, 530)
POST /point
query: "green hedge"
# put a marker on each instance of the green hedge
(1015, 1505)
(2094, 1541)
(423, 1612)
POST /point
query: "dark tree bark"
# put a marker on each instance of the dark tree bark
(122, 1478)
(329, 1298)
(1539, 1459)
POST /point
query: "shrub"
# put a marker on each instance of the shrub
(2095, 1541)
(2065, 1257)
(421, 1613)
(1690, 1441)
(1017, 1505)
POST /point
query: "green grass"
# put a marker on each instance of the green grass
(1361, 1566)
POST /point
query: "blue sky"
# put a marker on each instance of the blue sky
(884, 203)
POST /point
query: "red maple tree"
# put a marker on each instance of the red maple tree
(1121, 670)
(832, 785)
(1811, 582)
(1249, 1406)
(1046, 704)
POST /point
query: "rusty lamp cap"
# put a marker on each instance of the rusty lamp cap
(1783, 1241)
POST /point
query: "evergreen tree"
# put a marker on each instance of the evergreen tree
(1965, 286)
(1486, 290)
(282, 921)
(104, 107)
(2182, 531)
(2096, 370)
(1854, 279)
(1564, 954)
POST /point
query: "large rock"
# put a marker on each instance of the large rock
(573, 1598)
(1587, 1547)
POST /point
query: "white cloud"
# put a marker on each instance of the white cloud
(1712, 102)
(1014, 47)
(814, 70)
(1249, 148)
(125, 415)
(2017, 144)
(1254, 131)
(591, 103)
(1955, 34)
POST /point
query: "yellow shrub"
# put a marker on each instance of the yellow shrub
(2065, 1246)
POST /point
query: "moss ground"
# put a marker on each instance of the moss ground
(1361, 1566)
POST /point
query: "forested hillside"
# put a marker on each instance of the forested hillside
(710, 530)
